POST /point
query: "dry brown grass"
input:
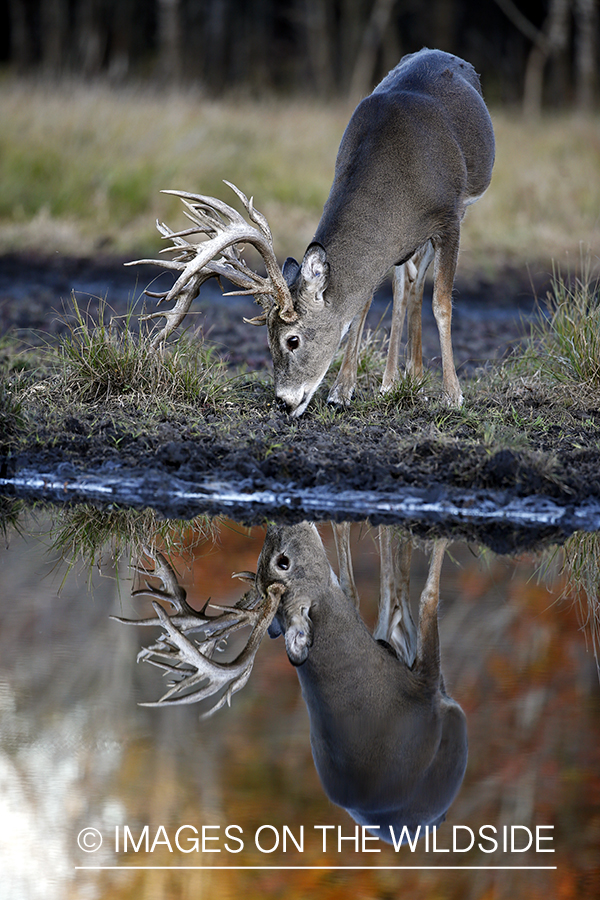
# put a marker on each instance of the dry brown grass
(544, 200)
(81, 168)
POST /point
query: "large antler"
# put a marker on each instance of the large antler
(226, 230)
(198, 675)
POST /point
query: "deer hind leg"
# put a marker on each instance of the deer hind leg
(395, 623)
(446, 255)
(343, 386)
(428, 642)
(414, 347)
(341, 536)
(408, 282)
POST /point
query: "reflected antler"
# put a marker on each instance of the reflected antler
(226, 230)
(199, 676)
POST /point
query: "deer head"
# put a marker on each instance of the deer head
(302, 350)
(293, 559)
(303, 336)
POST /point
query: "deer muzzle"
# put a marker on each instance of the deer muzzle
(298, 637)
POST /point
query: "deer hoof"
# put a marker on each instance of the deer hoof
(452, 399)
(341, 394)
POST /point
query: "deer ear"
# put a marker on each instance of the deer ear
(315, 273)
(275, 630)
(290, 270)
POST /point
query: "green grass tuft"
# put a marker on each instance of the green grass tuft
(90, 536)
(100, 360)
(578, 562)
(564, 344)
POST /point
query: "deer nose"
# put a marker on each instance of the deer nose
(291, 401)
(288, 406)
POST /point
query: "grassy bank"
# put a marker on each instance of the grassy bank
(81, 168)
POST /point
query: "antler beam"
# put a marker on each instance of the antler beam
(197, 675)
(226, 231)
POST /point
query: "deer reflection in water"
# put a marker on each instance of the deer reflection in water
(389, 745)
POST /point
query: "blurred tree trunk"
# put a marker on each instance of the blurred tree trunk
(121, 51)
(364, 67)
(216, 44)
(350, 30)
(391, 49)
(259, 44)
(21, 49)
(319, 45)
(552, 39)
(169, 41)
(91, 36)
(54, 20)
(444, 17)
(586, 53)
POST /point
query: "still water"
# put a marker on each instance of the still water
(102, 797)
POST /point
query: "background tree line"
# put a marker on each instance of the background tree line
(531, 51)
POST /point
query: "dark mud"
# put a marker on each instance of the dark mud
(560, 466)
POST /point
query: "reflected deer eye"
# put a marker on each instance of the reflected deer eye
(282, 562)
(293, 342)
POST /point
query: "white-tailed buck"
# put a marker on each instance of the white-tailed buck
(389, 744)
(415, 154)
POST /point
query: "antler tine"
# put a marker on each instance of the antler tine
(201, 205)
(253, 213)
(175, 316)
(163, 263)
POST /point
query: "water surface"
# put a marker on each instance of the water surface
(78, 752)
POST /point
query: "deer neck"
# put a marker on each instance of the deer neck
(358, 265)
(333, 678)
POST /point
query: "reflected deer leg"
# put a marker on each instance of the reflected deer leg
(395, 623)
(428, 640)
(341, 536)
(343, 386)
(446, 255)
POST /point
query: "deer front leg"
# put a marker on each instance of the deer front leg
(343, 386)
(446, 255)
(395, 623)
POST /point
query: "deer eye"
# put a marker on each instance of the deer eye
(293, 342)
(282, 562)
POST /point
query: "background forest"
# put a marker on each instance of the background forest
(531, 50)
(103, 103)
